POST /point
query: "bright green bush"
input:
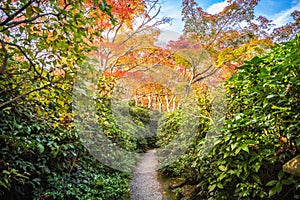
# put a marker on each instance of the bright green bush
(46, 160)
(261, 132)
(88, 183)
(175, 124)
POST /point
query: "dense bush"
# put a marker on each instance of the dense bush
(260, 134)
(42, 156)
(179, 122)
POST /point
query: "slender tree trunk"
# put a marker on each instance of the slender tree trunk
(160, 103)
(174, 103)
(149, 101)
(142, 101)
(167, 102)
(156, 102)
(136, 100)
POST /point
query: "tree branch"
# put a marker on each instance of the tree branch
(5, 57)
(10, 17)
(26, 56)
(16, 23)
(203, 72)
(23, 95)
(203, 77)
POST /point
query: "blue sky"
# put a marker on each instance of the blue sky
(277, 10)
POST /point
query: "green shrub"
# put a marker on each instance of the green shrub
(43, 160)
(42, 156)
(177, 124)
(261, 132)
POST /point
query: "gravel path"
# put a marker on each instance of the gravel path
(144, 185)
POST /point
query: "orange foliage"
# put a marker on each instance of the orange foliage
(116, 74)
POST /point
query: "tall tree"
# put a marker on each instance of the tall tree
(235, 34)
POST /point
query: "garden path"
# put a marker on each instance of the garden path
(145, 185)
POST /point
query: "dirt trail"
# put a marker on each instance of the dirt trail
(145, 185)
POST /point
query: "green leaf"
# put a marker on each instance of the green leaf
(211, 187)
(222, 176)
(272, 182)
(256, 178)
(233, 146)
(40, 147)
(5, 185)
(252, 142)
(280, 175)
(245, 148)
(287, 181)
(252, 158)
(222, 168)
(219, 185)
(276, 189)
(271, 96)
(29, 11)
(255, 60)
(237, 150)
(272, 192)
(280, 108)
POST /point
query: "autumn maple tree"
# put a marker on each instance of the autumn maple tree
(235, 34)
(128, 45)
(137, 28)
